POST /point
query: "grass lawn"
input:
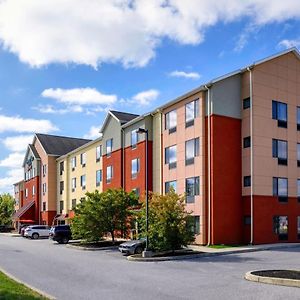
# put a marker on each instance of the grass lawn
(12, 290)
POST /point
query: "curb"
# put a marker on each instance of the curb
(272, 280)
(207, 254)
(91, 249)
(43, 294)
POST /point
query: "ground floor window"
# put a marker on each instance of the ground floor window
(280, 227)
(195, 225)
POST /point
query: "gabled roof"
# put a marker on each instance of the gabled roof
(59, 145)
(34, 152)
(121, 117)
(19, 213)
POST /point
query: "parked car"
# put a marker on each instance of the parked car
(22, 229)
(6, 228)
(133, 246)
(37, 231)
(60, 233)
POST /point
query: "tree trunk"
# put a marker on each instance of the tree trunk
(112, 237)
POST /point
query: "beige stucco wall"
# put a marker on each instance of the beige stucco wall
(277, 79)
(89, 170)
(181, 172)
(157, 162)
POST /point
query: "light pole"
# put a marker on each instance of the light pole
(145, 131)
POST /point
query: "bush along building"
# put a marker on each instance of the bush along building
(232, 146)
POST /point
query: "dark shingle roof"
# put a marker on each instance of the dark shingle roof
(123, 116)
(59, 145)
(33, 150)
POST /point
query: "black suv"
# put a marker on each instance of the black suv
(6, 228)
(61, 234)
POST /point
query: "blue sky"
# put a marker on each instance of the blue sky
(64, 64)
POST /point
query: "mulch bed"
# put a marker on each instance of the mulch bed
(287, 274)
(170, 254)
(99, 244)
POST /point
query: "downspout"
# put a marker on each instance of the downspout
(123, 157)
(208, 166)
(251, 159)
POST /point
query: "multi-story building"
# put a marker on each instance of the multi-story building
(230, 146)
(39, 204)
(78, 172)
(19, 198)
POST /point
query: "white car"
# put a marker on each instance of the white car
(37, 231)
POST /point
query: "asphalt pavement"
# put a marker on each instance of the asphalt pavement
(68, 273)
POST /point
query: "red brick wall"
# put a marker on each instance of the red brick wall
(48, 216)
(226, 183)
(115, 159)
(29, 184)
(140, 180)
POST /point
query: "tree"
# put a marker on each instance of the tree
(169, 222)
(7, 208)
(103, 213)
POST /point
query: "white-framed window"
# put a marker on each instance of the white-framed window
(44, 188)
(109, 147)
(83, 181)
(26, 193)
(73, 163)
(98, 152)
(171, 121)
(83, 159)
(73, 184)
(44, 170)
(135, 167)
(109, 173)
(134, 138)
(98, 177)
(33, 190)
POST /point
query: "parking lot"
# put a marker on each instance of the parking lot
(75, 274)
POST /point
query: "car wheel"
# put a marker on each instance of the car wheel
(35, 236)
(65, 240)
(138, 250)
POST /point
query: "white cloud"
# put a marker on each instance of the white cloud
(189, 75)
(11, 177)
(93, 133)
(50, 109)
(79, 96)
(17, 143)
(18, 124)
(120, 31)
(146, 97)
(289, 43)
(14, 160)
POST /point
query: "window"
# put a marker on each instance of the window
(44, 170)
(279, 113)
(61, 187)
(280, 227)
(195, 225)
(171, 121)
(247, 220)
(280, 188)
(98, 177)
(83, 159)
(109, 173)
(73, 163)
(61, 167)
(33, 172)
(61, 206)
(26, 193)
(109, 145)
(191, 189)
(247, 142)
(171, 156)
(135, 167)
(298, 227)
(73, 203)
(279, 150)
(137, 192)
(44, 188)
(134, 138)
(298, 155)
(247, 181)
(83, 181)
(73, 184)
(246, 103)
(98, 153)
(44, 206)
(169, 185)
(298, 118)
(33, 190)
(191, 112)
(191, 151)
(298, 189)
